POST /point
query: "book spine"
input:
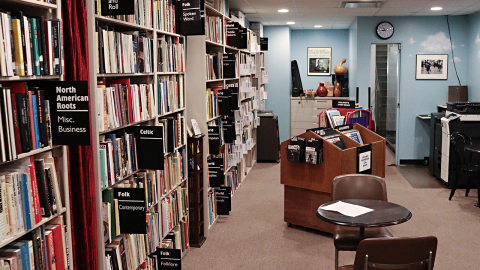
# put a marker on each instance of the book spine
(36, 121)
(19, 69)
(16, 125)
(30, 101)
(56, 47)
(35, 194)
(41, 119)
(35, 47)
(26, 200)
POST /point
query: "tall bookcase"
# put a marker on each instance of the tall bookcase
(197, 83)
(19, 163)
(154, 32)
(262, 76)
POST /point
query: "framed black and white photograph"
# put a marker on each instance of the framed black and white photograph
(319, 61)
(432, 67)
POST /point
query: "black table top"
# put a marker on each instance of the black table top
(473, 148)
(383, 214)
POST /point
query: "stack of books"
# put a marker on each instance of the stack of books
(30, 46)
(24, 120)
(214, 66)
(165, 10)
(173, 132)
(214, 29)
(170, 96)
(122, 103)
(173, 173)
(118, 52)
(171, 54)
(212, 102)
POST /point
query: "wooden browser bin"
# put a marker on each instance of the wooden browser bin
(307, 186)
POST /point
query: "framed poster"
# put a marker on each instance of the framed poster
(319, 61)
(432, 67)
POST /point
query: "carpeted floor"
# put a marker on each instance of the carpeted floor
(254, 236)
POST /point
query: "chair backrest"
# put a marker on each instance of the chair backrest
(399, 253)
(359, 186)
(459, 142)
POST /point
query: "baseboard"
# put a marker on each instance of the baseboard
(411, 161)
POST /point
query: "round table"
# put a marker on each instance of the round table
(383, 214)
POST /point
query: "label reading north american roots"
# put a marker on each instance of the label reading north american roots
(69, 111)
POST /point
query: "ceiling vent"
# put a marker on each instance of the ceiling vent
(362, 4)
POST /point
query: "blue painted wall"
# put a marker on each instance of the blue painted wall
(277, 64)
(474, 57)
(352, 67)
(417, 35)
(302, 39)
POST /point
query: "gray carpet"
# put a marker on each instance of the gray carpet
(254, 236)
(419, 177)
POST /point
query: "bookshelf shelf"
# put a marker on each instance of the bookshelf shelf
(232, 79)
(18, 235)
(129, 125)
(122, 23)
(31, 153)
(213, 11)
(33, 3)
(28, 78)
(170, 73)
(213, 119)
(231, 48)
(174, 187)
(122, 181)
(106, 75)
(216, 80)
(214, 43)
(169, 113)
(167, 33)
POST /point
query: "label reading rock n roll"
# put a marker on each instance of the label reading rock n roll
(118, 7)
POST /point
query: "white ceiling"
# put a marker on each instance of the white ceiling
(307, 13)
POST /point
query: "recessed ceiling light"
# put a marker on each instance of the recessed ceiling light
(318, 26)
(283, 10)
(290, 22)
(436, 8)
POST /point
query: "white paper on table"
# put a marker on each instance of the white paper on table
(347, 209)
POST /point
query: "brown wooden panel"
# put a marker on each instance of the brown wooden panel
(301, 207)
(349, 161)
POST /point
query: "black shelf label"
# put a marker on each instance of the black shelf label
(215, 172)
(364, 159)
(224, 200)
(118, 7)
(345, 104)
(214, 140)
(190, 17)
(69, 112)
(131, 210)
(264, 44)
(233, 34)
(149, 144)
(169, 259)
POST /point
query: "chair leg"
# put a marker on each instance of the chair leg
(336, 258)
(469, 181)
(455, 181)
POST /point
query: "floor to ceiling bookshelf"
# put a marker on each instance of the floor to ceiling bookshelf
(16, 164)
(197, 83)
(159, 79)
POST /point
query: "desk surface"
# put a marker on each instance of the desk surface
(383, 214)
(424, 116)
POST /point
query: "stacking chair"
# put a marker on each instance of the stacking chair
(462, 164)
(357, 186)
(399, 253)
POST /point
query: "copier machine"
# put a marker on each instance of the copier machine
(461, 117)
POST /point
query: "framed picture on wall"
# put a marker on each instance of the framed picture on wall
(432, 67)
(319, 61)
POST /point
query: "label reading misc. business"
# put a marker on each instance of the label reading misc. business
(69, 112)
(118, 7)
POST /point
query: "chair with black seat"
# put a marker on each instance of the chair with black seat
(357, 186)
(463, 164)
(399, 253)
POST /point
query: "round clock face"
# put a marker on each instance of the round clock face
(384, 30)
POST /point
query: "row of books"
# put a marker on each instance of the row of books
(214, 66)
(43, 248)
(178, 237)
(122, 103)
(212, 102)
(24, 121)
(174, 172)
(173, 128)
(171, 54)
(212, 206)
(233, 179)
(29, 192)
(171, 93)
(142, 13)
(214, 29)
(166, 18)
(220, 5)
(30, 45)
(173, 209)
(118, 157)
(118, 52)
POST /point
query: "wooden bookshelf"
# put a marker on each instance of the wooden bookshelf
(137, 78)
(35, 8)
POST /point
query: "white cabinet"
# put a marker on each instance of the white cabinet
(304, 112)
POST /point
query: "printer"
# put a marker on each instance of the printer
(463, 117)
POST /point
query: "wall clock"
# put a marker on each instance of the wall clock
(385, 30)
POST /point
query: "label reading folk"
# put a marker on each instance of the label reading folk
(191, 17)
(131, 210)
(169, 259)
(69, 112)
(118, 7)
